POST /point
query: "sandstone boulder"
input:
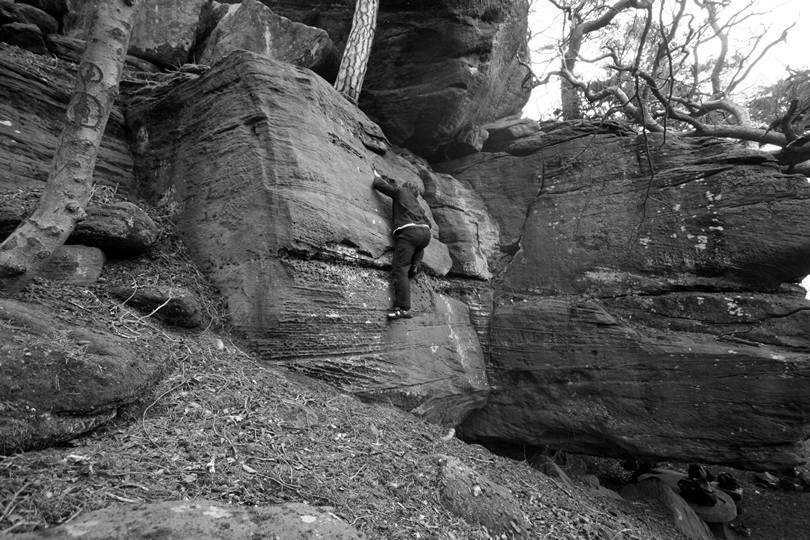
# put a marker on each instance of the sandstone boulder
(71, 49)
(658, 492)
(79, 265)
(23, 13)
(23, 35)
(466, 226)
(164, 31)
(640, 314)
(254, 27)
(478, 499)
(437, 69)
(34, 93)
(282, 216)
(59, 380)
(203, 520)
(120, 229)
(55, 8)
(175, 306)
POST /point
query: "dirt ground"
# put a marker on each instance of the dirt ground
(226, 427)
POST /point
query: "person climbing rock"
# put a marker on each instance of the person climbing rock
(411, 237)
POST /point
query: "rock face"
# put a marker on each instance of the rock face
(80, 265)
(164, 31)
(34, 93)
(685, 519)
(175, 306)
(478, 499)
(120, 229)
(58, 380)
(642, 314)
(253, 27)
(205, 520)
(282, 215)
(438, 69)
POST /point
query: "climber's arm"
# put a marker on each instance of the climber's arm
(383, 185)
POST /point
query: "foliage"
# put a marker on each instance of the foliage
(677, 65)
(773, 101)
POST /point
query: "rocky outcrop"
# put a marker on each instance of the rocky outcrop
(470, 233)
(478, 499)
(438, 69)
(120, 229)
(437, 72)
(164, 31)
(59, 380)
(252, 26)
(282, 216)
(638, 308)
(34, 93)
(79, 265)
(203, 519)
(655, 491)
(174, 306)
(18, 12)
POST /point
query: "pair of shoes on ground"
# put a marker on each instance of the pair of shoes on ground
(696, 488)
(399, 313)
(697, 491)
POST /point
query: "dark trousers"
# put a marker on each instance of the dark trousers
(409, 246)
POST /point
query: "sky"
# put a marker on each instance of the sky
(776, 15)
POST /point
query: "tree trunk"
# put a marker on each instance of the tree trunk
(569, 99)
(352, 70)
(71, 176)
(569, 94)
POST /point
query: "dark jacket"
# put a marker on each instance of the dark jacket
(406, 208)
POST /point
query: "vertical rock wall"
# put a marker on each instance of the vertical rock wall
(268, 170)
(643, 304)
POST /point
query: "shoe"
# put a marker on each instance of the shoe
(699, 472)
(414, 270)
(399, 313)
(697, 491)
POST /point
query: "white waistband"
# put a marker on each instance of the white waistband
(411, 225)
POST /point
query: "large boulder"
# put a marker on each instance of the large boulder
(78, 265)
(164, 31)
(120, 229)
(34, 93)
(203, 520)
(23, 35)
(59, 379)
(254, 27)
(438, 69)
(282, 216)
(641, 312)
(22, 13)
(477, 499)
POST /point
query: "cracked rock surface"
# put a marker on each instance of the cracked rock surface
(645, 300)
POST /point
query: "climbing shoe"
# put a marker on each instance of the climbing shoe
(399, 313)
(699, 472)
(697, 491)
(414, 270)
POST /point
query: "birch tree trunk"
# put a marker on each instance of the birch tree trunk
(353, 65)
(70, 180)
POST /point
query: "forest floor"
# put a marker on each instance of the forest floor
(225, 427)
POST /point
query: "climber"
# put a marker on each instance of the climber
(411, 237)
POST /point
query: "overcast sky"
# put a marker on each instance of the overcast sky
(776, 15)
